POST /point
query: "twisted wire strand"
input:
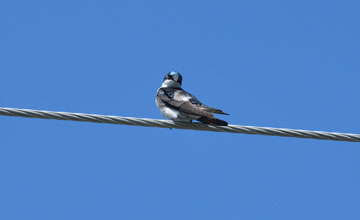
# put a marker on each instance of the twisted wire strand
(147, 122)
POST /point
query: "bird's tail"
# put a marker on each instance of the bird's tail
(212, 121)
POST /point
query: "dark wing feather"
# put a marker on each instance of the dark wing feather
(196, 102)
(214, 110)
(168, 97)
(192, 109)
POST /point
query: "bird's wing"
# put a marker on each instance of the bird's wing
(180, 100)
(204, 107)
(214, 110)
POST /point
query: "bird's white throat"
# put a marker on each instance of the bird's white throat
(170, 83)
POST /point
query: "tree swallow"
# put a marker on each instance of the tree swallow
(178, 105)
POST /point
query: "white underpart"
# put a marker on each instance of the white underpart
(170, 83)
(169, 113)
(175, 115)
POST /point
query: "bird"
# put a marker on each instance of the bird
(180, 106)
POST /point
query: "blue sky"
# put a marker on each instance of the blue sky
(267, 63)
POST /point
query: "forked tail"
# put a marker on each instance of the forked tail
(212, 121)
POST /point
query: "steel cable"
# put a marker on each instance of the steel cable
(147, 122)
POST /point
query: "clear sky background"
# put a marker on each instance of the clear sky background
(267, 63)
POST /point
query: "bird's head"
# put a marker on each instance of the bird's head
(172, 79)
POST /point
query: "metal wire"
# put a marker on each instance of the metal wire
(147, 122)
